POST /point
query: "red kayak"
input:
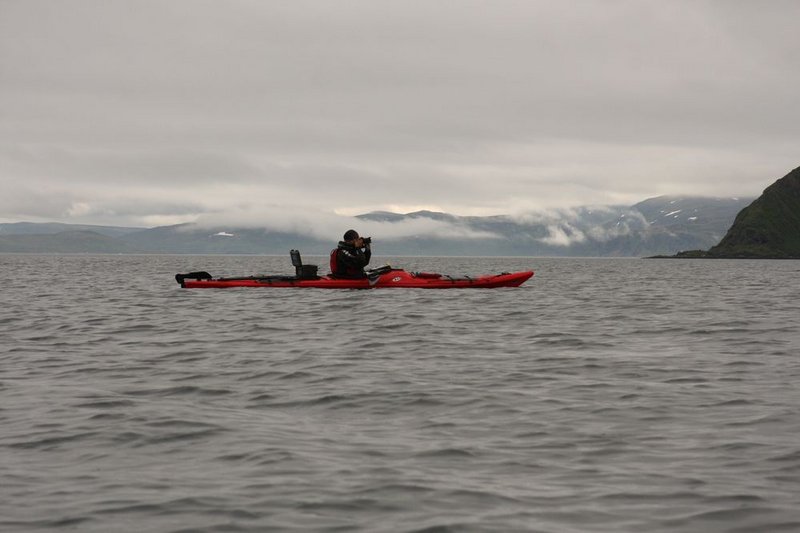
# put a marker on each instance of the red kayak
(382, 279)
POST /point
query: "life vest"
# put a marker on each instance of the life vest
(342, 266)
(334, 260)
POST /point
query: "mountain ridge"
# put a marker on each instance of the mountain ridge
(663, 224)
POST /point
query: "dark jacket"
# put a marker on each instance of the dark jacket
(347, 261)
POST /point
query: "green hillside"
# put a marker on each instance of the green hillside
(769, 227)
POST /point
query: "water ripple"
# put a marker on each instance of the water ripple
(604, 395)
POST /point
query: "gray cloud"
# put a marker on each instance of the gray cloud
(468, 106)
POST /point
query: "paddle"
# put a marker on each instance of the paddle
(199, 276)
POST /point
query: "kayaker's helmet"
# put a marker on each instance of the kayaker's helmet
(350, 235)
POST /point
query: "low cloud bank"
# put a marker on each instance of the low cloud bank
(564, 227)
(331, 227)
(564, 234)
(567, 227)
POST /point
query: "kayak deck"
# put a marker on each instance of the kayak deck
(382, 278)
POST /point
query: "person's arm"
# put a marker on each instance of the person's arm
(351, 259)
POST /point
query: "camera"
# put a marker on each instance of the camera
(367, 240)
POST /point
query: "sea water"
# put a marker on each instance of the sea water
(602, 395)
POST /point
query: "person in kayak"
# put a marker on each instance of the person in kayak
(350, 257)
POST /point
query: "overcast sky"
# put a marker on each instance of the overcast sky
(157, 112)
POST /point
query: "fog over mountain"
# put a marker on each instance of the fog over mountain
(660, 225)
